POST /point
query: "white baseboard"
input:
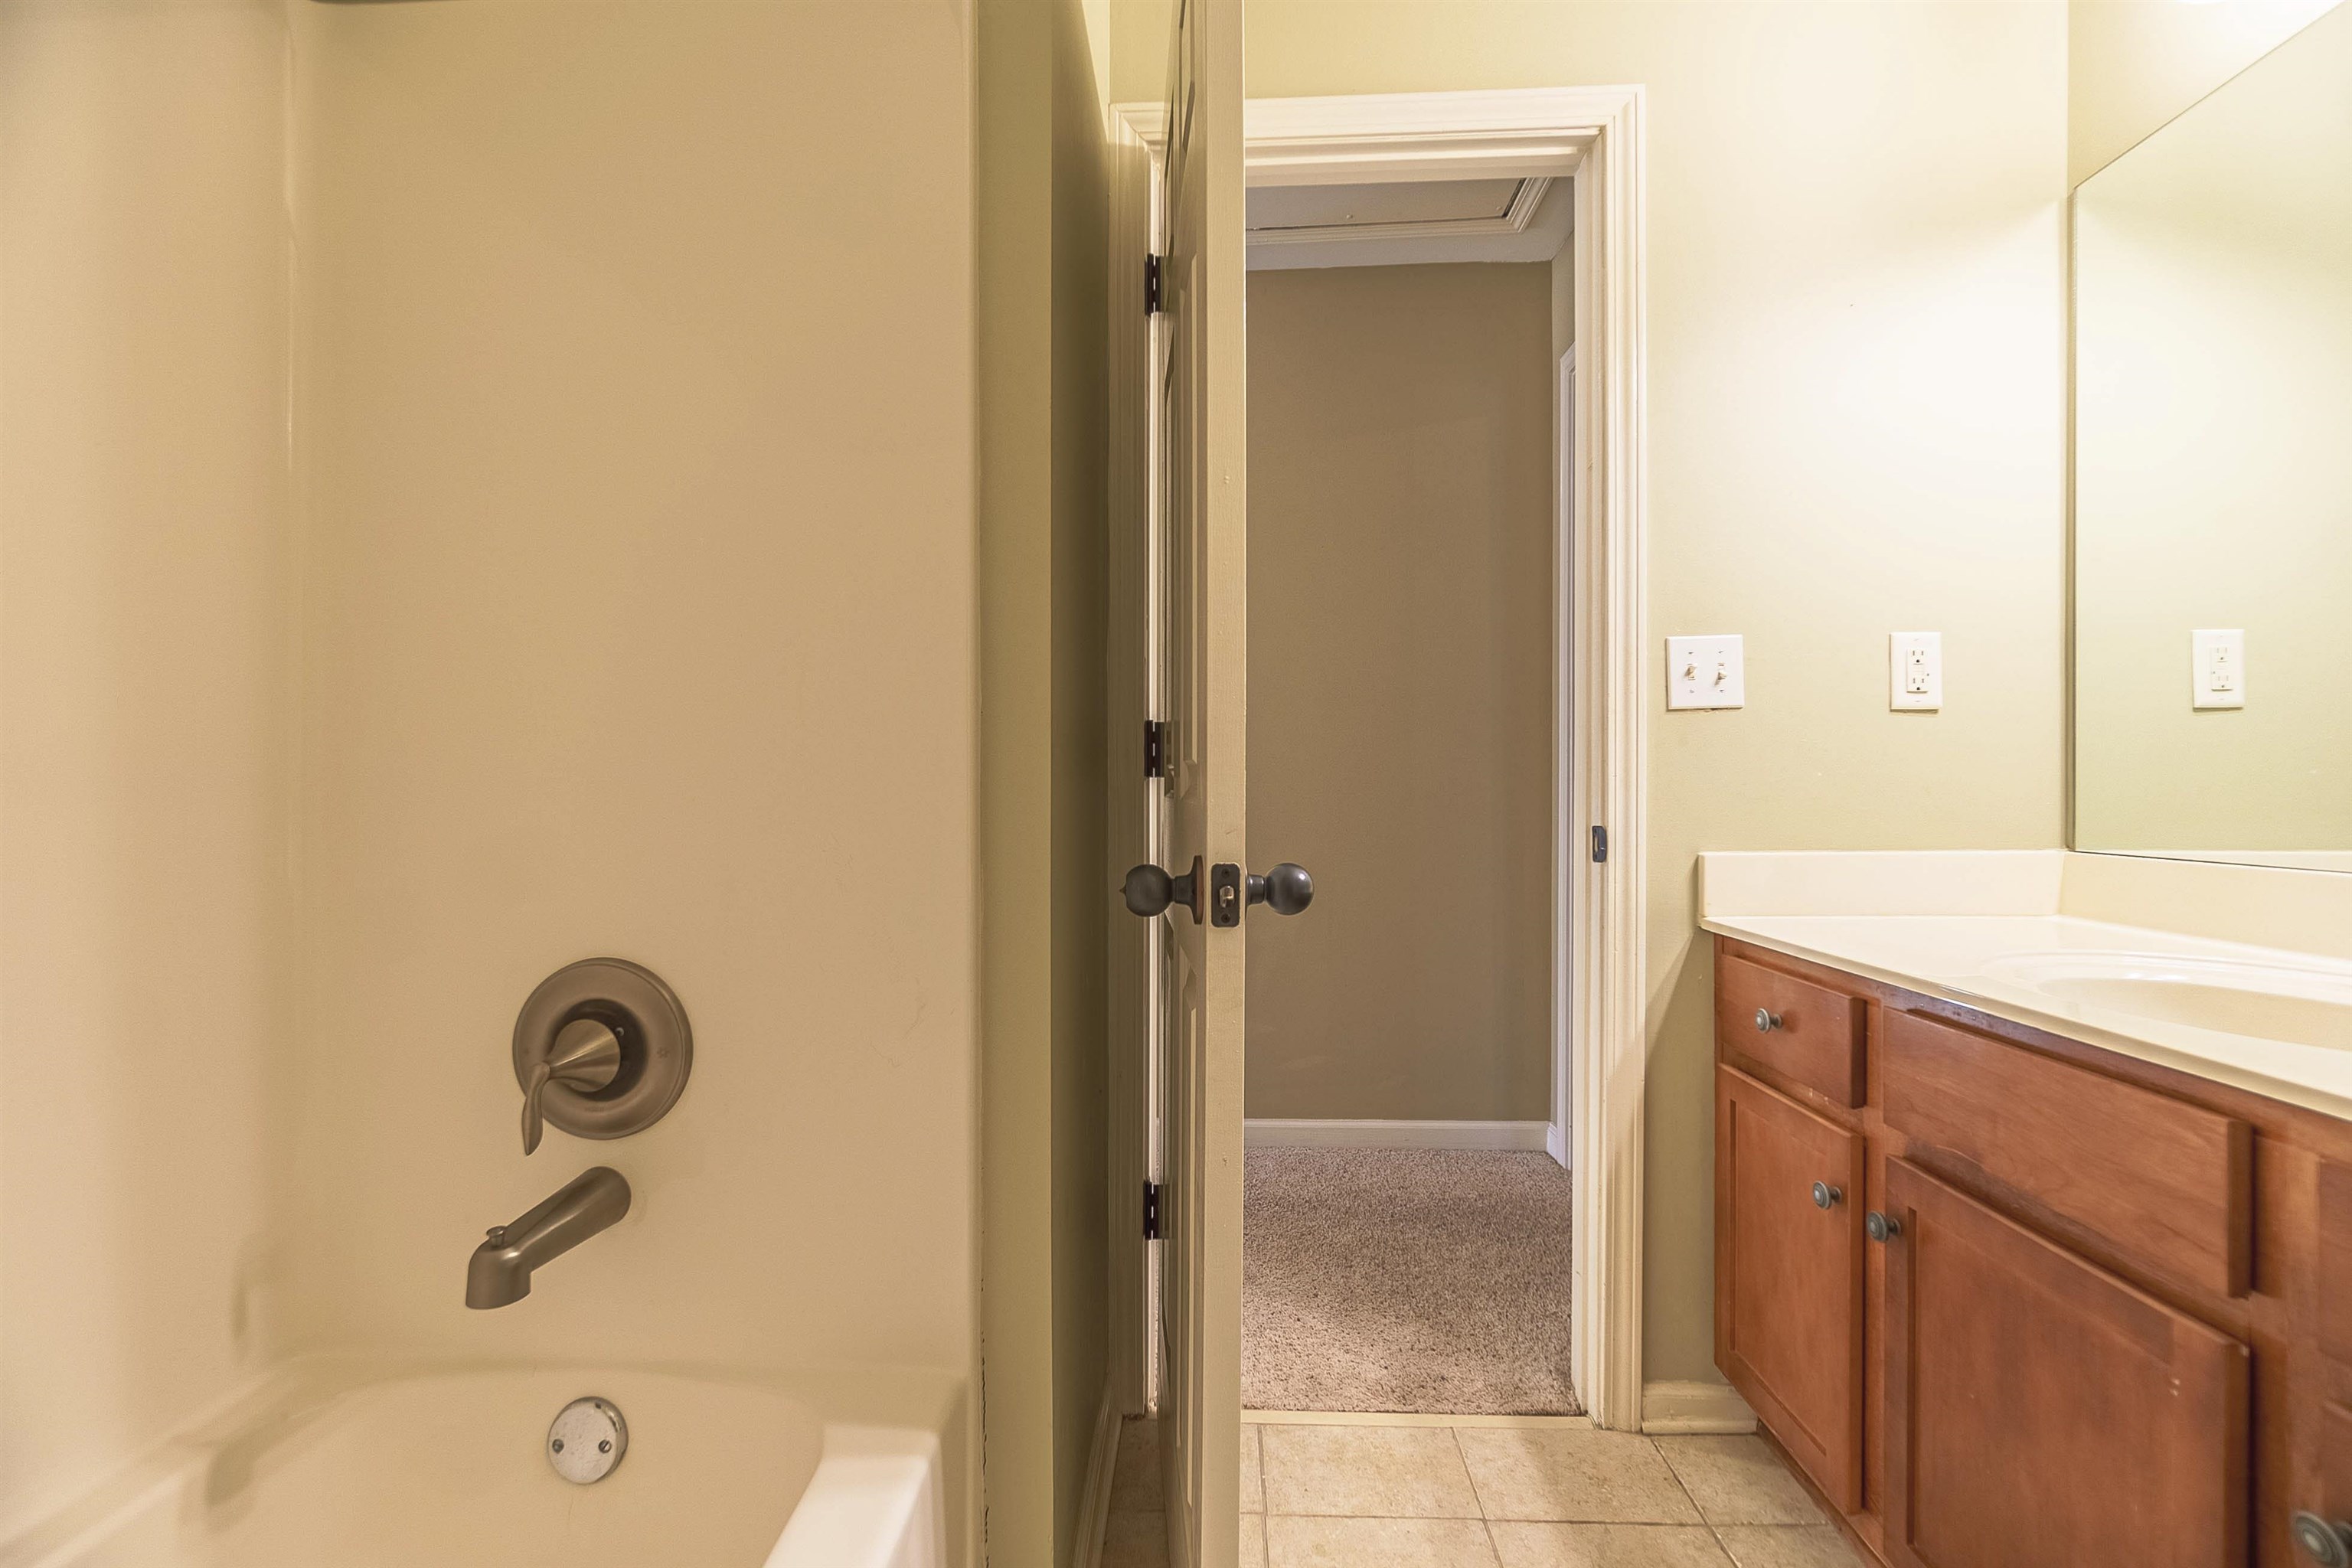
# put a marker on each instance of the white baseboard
(1689, 1407)
(1556, 1144)
(1094, 1503)
(1263, 1132)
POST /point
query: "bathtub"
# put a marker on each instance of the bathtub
(340, 1466)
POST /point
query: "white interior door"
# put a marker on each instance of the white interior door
(1202, 698)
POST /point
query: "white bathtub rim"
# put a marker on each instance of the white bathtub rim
(876, 1501)
(66, 1532)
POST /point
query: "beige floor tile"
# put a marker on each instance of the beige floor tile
(1384, 1471)
(1135, 1481)
(1134, 1540)
(1293, 1542)
(1253, 1540)
(1523, 1546)
(1789, 1546)
(1253, 1472)
(1739, 1480)
(1576, 1473)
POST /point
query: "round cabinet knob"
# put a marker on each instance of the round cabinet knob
(2328, 1543)
(1825, 1195)
(1767, 1020)
(1881, 1227)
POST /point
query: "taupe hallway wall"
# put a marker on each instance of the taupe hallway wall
(1399, 431)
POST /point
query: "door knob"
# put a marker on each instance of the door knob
(1881, 1227)
(1149, 890)
(1286, 889)
(1826, 1196)
(2325, 1542)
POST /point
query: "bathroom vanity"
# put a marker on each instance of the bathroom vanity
(2013, 1294)
(2034, 1171)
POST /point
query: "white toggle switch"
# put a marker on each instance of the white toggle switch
(2220, 665)
(1914, 669)
(1705, 672)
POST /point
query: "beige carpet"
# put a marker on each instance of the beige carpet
(1405, 1279)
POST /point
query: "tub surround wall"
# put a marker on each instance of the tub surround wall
(144, 676)
(634, 426)
(2131, 65)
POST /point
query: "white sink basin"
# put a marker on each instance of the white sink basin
(2236, 997)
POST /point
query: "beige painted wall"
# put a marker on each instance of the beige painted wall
(143, 823)
(637, 601)
(1857, 358)
(1400, 524)
(2131, 65)
(2213, 483)
(1043, 185)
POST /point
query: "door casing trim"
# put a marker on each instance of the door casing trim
(1602, 761)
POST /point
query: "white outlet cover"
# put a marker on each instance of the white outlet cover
(1914, 672)
(2218, 668)
(1706, 672)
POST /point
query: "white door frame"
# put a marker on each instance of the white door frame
(1600, 985)
(1560, 1140)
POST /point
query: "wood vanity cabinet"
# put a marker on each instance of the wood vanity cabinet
(2010, 1299)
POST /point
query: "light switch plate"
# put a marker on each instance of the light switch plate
(1706, 672)
(1914, 670)
(2217, 669)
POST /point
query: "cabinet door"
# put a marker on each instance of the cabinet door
(1788, 1275)
(2039, 1410)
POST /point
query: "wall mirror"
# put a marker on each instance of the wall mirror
(2213, 461)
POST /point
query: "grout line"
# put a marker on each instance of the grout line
(1476, 1495)
(1684, 1487)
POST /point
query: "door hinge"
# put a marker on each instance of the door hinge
(1153, 301)
(1155, 748)
(1151, 1211)
(1600, 843)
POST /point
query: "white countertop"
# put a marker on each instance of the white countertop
(1945, 955)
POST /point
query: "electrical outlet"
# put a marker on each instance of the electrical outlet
(2219, 669)
(1706, 672)
(1914, 672)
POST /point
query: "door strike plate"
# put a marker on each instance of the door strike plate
(1224, 894)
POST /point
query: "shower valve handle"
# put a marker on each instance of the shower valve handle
(585, 1055)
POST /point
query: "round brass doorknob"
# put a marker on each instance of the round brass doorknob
(2325, 1542)
(1826, 1196)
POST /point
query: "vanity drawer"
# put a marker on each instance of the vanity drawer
(2161, 1181)
(1804, 1032)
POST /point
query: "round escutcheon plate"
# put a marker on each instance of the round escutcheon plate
(646, 1017)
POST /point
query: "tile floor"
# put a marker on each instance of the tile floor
(1422, 1496)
